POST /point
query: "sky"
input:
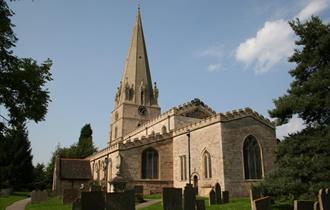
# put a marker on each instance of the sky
(231, 54)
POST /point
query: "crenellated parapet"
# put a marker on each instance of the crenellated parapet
(144, 140)
(226, 117)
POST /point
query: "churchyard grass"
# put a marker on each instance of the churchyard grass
(234, 204)
(54, 203)
(6, 201)
(153, 196)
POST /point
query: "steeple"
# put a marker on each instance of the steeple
(136, 85)
(136, 100)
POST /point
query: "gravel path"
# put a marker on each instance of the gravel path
(148, 203)
(19, 205)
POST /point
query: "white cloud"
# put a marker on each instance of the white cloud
(213, 51)
(295, 124)
(273, 43)
(314, 7)
(214, 67)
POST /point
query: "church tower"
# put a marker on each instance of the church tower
(136, 100)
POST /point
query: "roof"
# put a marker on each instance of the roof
(75, 169)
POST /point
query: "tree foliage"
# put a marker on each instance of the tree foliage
(22, 80)
(309, 93)
(16, 169)
(302, 164)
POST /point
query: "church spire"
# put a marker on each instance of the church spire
(136, 85)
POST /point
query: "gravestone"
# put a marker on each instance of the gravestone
(303, 205)
(263, 203)
(172, 198)
(92, 200)
(96, 188)
(200, 205)
(120, 200)
(324, 199)
(5, 192)
(76, 204)
(212, 198)
(316, 206)
(255, 193)
(38, 196)
(138, 189)
(69, 195)
(218, 193)
(225, 197)
(189, 197)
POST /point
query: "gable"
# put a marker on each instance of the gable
(195, 109)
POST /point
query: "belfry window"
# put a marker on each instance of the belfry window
(116, 132)
(142, 97)
(150, 164)
(252, 158)
(207, 165)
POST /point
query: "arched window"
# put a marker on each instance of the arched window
(164, 130)
(116, 132)
(252, 158)
(150, 164)
(207, 165)
(142, 97)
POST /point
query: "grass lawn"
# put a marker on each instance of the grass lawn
(234, 204)
(6, 201)
(54, 203)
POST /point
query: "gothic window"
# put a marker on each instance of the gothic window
(150, 164)
(252, 158)
(183, 167)
(116, 132)
(142, 97)
(116, 116)
(98, 171)
(207, 165)
(164, 130)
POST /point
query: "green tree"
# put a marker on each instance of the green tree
(309, 93)
(85, 146)
(302, 159)
(39, 177)
(22, 80)
(16, 159)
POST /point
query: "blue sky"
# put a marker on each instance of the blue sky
(230, 54)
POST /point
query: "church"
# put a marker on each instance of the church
(152, 148)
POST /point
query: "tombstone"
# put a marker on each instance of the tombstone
(324, 199)
(38, 196)
(138, 190)
(189, 197)
(69, 195)
(172, 198)
(303, 205)
(5, 192)
(263, 203)
(254, 194)
(120, 200)
(316, 206)
(76, 204)
(92, 200)
(200, 205)
(225, 197)
(218, 193)
(96, 188)
(212, 198)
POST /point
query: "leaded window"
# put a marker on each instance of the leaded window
(252, 159)
(150, 164)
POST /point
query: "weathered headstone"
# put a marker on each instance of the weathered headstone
(200, 205)
(38, 196)
(76, 204)
(316, 206)
(138, 189)
(218, 193)
(96, 188)
(212, 198)
(69, 195)
(120, 200)
(92, 200)
(263, 203)
(303, 205)
(324, 199)
(172, 198)
(225, 196)
(5, 192)
(189, 197)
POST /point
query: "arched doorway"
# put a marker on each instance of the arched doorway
(196, 184)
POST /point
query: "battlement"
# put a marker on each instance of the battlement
(129, 143)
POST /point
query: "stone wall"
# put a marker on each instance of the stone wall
(234, 133)
(202, 139)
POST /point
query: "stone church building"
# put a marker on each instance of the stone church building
(150, 148)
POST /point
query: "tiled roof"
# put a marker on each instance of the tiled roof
(75, 169)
